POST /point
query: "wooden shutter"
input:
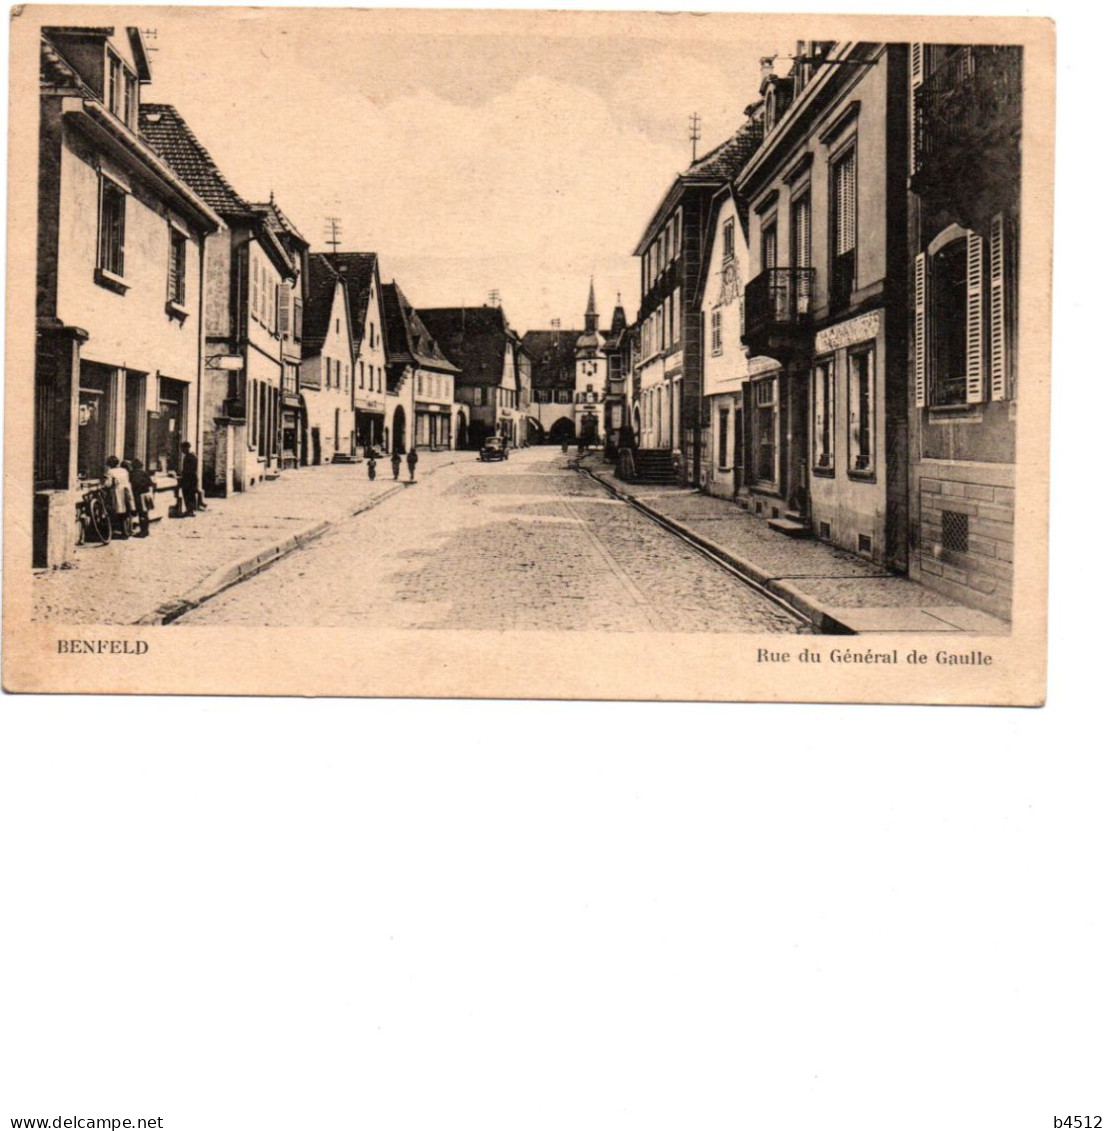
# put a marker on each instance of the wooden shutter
(997, 346)
(845, 205)
(919, 327)
(284, 311)
(803, 235)
(916, 79)
(975, 381)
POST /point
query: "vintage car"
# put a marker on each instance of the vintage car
(494, 447)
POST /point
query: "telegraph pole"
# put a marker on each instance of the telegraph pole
(332, 237)
(693, 132)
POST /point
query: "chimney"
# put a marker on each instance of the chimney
(766, 67)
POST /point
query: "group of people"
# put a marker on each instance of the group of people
(130, 492)
(395, 463)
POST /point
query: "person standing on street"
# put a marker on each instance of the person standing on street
(396, 463)
(122, 503)
(187, 482)
(371, 467)
(411, 462)
(142, 488)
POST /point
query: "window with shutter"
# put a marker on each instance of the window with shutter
(802, 232)
(845, 224)
(975, 346)
(284, 310)
(916, 79)
(297, 319)
(998, 390)
(769, 246)
(919, 342)
(716, 332)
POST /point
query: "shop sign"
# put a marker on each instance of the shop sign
(864, 328)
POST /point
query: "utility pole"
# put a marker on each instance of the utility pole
(693, 132)
(332, 237)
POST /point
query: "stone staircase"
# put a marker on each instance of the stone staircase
(791, 525)
(654, 466)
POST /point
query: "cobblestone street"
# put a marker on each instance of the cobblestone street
(524, 544)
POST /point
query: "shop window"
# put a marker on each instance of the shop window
(822, 410)
(860, 407)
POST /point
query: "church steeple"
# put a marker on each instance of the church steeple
(618, 318)
(591, 319)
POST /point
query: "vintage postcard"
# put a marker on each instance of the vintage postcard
(518, 354)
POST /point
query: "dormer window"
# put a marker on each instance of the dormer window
(121, 93)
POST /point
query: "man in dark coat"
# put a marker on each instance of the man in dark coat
(142, 487)
(187, 482)
(411, 462)
(396, 463)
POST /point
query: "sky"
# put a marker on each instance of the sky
(523, 152)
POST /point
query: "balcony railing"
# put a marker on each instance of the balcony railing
(778, 306)
(974, 93)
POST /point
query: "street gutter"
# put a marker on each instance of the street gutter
(782, 593)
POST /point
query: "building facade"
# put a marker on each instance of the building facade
(668, 367)
(361, 274)
(248, 274)
(479, 342)
(326, 378)
(964, 251)
(422, 409)
(294, 423)
(120, 263)
(826, 298)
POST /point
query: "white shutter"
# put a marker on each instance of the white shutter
(919, 335)
(916, 79)
(997, 365)
(975, 383)
(284, 310)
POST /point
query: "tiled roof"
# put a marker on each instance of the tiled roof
(277, 221)
(56, 72)
(408, 339)
(473, 338)
(726, 160)
(320, 289)
(359, 269)
(554, 357)
(164, 129)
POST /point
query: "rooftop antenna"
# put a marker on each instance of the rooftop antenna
(554, 325)
(333, 230)
(148, 34)
(493, 297)
(693, 132)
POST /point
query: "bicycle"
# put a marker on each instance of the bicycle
(94, 523)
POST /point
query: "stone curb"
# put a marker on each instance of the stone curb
(817, 614)
(227, 576)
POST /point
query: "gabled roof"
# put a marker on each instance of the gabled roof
(724, 162)
(725, 194)
(320, 291)
(554, 357)
(408, 340)
(359, 268)
(277, 222)
(474, 338)
(165, 130)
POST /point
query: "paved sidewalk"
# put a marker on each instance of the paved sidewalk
(185, 561)
(837, 590)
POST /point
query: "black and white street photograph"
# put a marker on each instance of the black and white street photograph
(351, 322)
